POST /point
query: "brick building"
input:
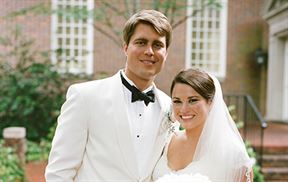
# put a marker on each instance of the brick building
(276, 14)
(222, 42)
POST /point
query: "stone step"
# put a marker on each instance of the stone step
(275, 150)
(275, 160)
(275, 173)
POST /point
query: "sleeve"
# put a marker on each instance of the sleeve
(70, 139)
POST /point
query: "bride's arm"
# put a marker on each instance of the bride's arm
(248, 176)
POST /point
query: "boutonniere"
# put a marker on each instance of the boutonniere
(168, 122)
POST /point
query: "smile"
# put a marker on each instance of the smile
(187, 117)
(148, 62)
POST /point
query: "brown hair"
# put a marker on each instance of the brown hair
(154, 18)
(199, 80)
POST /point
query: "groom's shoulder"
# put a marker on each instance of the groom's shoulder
(93, 84)
(96, 82)
(88, 84)
(163, 95)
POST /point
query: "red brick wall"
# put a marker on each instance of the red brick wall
(109, 58)
(32, 27)
(246, 32)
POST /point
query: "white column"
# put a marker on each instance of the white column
(285, 83)
(275, 90)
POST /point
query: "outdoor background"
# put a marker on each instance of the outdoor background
(46, 45)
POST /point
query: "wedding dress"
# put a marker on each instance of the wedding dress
(220, 153)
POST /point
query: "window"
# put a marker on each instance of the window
(72, 38)
(206, 34)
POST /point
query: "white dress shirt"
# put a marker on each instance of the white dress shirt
(143, 126)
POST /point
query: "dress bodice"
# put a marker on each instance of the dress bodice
(195, 167)
(163, 168)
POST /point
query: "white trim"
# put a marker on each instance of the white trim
(90, 42)
(75, 38)
(275, 85)
(53, 35)
(223, 46)
(285, 83)
(207, 54)
(277, 76)
(188, 35)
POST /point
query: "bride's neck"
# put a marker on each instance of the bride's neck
(194, 133)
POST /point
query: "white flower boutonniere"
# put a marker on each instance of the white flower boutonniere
(183, 178)
(168, 122)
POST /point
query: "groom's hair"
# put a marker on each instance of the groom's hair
(156, 19)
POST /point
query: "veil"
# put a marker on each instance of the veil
(220, 153)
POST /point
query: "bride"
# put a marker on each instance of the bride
(210, 143)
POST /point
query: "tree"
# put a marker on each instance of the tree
(32, 91)
(108, 14)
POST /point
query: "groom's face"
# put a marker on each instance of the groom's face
(146, 54)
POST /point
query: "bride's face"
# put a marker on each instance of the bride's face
(189, 107)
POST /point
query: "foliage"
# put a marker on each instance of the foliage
(107, 15)
(10, 169)
(258, 176)
(232, 111)
(32, 91)
(40, 151)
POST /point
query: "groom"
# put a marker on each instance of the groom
(110, 129)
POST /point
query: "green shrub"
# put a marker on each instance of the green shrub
(39, 151)
(32, 91)
(258, 176)
(10, 169)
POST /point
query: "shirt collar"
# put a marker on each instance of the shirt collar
(132, 83)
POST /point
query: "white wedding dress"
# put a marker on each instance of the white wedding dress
(162, 167)
(220, 154)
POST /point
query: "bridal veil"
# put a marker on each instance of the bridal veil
(220, 153)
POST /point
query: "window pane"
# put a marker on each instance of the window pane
(207, 38)
(72, 38)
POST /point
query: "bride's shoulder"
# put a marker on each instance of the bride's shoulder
(176, 136)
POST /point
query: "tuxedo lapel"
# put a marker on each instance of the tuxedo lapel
(122, 127)
(161, 134)
(157, 150)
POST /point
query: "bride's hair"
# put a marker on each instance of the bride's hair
(199, 80)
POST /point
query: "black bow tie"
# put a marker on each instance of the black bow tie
(137, 94)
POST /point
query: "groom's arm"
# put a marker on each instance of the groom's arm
(70, 139)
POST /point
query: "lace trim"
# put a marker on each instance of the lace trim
(247, 174)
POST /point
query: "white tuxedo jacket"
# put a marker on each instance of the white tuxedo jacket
(93, 141)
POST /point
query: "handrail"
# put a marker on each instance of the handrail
(257, 112)
(248, 104)
(263, 126)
